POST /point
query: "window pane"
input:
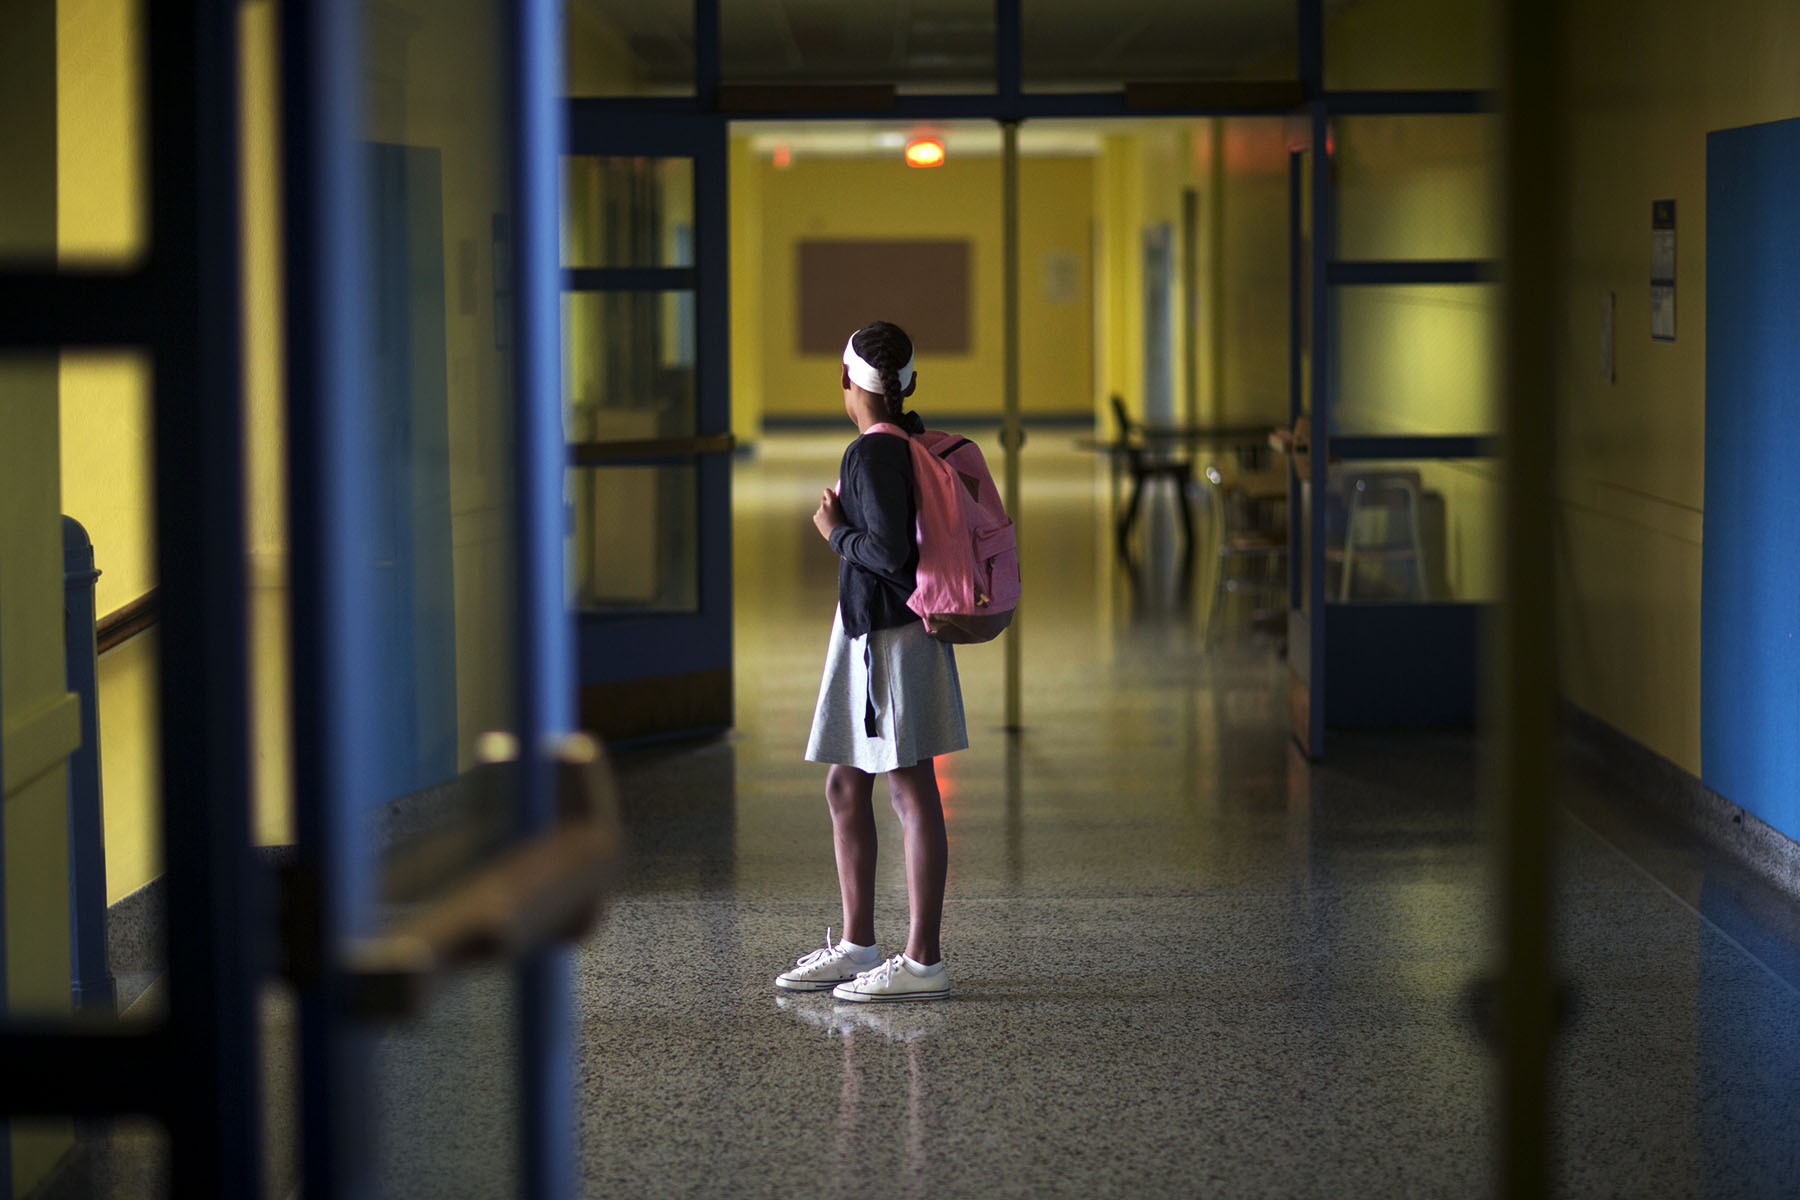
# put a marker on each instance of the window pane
(627, 212)
(72, 121)
(637, 538)
(1418, 187)
(629, 47)
(1407, 532)
(628, 365)
(917, 45)
(1076, 44)
(1417, 360)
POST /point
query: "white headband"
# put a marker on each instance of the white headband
(868, 378)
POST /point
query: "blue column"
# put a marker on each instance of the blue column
(544, 636)
(91, 982)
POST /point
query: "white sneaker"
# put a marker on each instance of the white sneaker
(894, 980)
(824, 968)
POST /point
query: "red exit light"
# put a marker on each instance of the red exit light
(925, 152)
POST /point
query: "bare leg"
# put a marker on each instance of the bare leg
(914, 791)
(849, 792)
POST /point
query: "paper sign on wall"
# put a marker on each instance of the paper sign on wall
(1662, 270)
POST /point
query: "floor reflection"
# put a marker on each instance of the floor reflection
(869, 1032)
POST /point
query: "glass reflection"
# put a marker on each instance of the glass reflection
(636, 542)
(629, 365)
(440, 547)
(1417, 187)
(1417, 360)
(627, 212)
(1423, 531)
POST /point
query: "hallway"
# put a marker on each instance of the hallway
(1184, 961)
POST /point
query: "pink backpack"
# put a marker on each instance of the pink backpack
(968, 579)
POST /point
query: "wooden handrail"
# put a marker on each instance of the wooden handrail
(125, 623)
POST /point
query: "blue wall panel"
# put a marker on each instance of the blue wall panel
(1750, 581)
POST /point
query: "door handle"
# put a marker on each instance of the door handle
(547, 889)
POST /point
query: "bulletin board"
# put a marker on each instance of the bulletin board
(923, 287)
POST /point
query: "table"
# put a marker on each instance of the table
(1167, 452)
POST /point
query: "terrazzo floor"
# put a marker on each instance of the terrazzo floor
(1185, 962)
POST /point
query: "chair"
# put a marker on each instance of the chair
(1382, 527)
(1146, 462)
(1244, 534)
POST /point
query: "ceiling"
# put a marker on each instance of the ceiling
(950, 43)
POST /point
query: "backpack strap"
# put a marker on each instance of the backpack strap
(953, 447)
(888, 427)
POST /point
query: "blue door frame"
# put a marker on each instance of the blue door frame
(635, 660)
(1349, 663)
(333, 444)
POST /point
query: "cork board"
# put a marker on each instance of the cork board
(923, 287)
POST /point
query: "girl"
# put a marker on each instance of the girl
(890, 700)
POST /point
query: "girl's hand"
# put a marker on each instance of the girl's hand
(829, 515)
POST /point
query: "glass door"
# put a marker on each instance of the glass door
(646, 410)
(448, 825)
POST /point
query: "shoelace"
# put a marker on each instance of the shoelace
(818, 956)
(883, 974)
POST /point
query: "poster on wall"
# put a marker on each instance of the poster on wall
(1662, 270)
(925, 287)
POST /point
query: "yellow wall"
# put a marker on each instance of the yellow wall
(746, 204)
(875, 198)
(106, 412)
(1253, 351)
(1075, 356)
(1650, 79)
(1118, 184)
(40, 722)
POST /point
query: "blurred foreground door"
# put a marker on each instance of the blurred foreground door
(451, 831)
(646, 364)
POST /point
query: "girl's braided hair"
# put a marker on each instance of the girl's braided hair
(885, 346)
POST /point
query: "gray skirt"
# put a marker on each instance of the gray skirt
(889, 699)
